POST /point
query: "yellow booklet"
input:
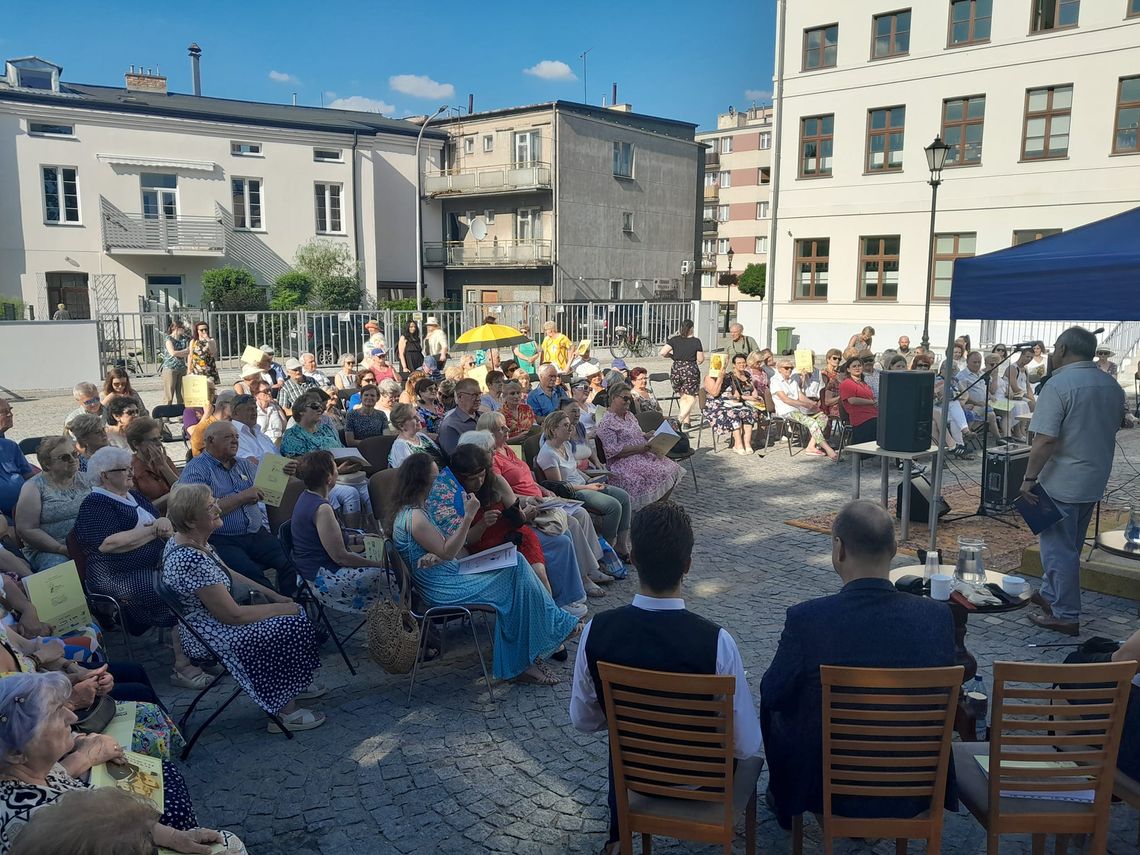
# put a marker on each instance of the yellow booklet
(271, 479)
(716, 365)
(252, 355)
(58, 597)
(141, 776)
(122, 726)
(195, 390)
(804, 363)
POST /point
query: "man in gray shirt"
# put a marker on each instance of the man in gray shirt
(1078, 413)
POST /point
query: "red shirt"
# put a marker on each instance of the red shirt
(516, 473)
(857, 414)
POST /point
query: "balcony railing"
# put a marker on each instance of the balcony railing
(709, 226)
(125, 233)
(712, 191)
(708, 261)
(505, 178)
(712, 159)
(488, 253)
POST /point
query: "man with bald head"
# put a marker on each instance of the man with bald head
(868, 624)
(244, 541)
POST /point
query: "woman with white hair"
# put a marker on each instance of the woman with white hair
(410, 439)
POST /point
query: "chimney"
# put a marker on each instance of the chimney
(145, 81)
(195, 55)
(470, 103)
(613, 100)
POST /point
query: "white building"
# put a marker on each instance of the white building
(1039, 100)
(113, 194)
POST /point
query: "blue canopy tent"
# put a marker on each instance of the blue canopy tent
(1092, 271)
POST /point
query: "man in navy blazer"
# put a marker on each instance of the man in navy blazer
(868, 624)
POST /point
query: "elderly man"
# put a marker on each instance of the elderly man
(973, 392)
(792, 404)
(738, 342)
(310, 370)
(461, 419)
(1074, 425)
(548, 396)
(86, 395)
(435, 341)
(243, 541)
(296, 385)
(253, 444)
(14, 467)
(270, 417)
(868, 624)
(556, 348)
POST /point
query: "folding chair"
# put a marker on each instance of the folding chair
(75, 553)
(663, 377)
(29, 444)
(174, 604)
(307, 597)
(163, 414)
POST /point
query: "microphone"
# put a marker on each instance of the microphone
(1025, 345)
(1098, 331)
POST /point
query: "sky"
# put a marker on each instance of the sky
(408, 58)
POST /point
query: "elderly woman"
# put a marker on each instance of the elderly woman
(120, 413)
(366, 420)
(727, 407)
(643, 398)
(41, 759)
(117, 384)
(90, 435)
(49, 503)
(634, 467)
(249, 374)
(174, 362)
(154, 471)
(346, 377)
(410, 439)
(428, 407)
(446, 392)
(364, 378)
(519, 416)
(271, 648)
(528, 625)
(389, 396)
(350, 495)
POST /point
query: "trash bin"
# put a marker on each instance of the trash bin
(783, 338)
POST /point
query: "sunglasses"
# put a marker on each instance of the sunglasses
(314, 407)
(835, 358)
(121, 469)
(130, 413)
(91, 402)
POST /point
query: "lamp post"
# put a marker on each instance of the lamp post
(936, 154)
(728, 309)
(419, 217)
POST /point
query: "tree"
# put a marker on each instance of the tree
(232, 289)
(339, 293)
(291, 291)
(333, 272)
(753, 279)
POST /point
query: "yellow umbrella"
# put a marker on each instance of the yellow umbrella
(489, 336)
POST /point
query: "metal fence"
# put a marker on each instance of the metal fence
(1121, 337)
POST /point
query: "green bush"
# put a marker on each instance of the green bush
(406, 305)
(232, 289)
(753, 279)
(337, 293)
(291, 291)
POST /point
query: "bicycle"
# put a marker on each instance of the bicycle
(627, 342)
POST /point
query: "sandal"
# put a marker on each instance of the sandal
(599, 578)
(299, 719)
(314, 690)
(184, 681)
(593, 590)
(543, 678)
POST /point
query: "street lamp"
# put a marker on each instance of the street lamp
(419, 216)
(936, 154)
(728, 309)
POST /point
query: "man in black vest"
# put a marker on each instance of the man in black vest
(658, 634)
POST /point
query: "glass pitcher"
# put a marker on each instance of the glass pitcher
(1132, 530)
(972, 554)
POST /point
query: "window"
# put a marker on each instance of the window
(159, 191)
(1047, 123)
(722, 213)
(245, 149)
(765, 139)
(34, 78)
(722, 246)
(469, 145)
(489, 216)
(44, 129)
(526, 148)
(1029, 235)
(488, 142)
(711, 179)
(623, 159)
(1054, 15)
(61, 195)
(1133, 8)
(615, 289)
(879, 268)
(528, 224)
(710, 211)
(815, 145)
(885, 139)
(328, 154)
(1127, 116)
(762, 245)
(890, 34)
(820, 46)
(761, 210)
(969, 22)
(246, 193)
(724, 179)
(627, 222)
(946, 249)
(962, 120)
(708, 246)
(726, 145)
(811, 268)
(764, 175)
(328, 200)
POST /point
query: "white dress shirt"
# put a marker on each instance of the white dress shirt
(252, 441)
(271, 421)
(588, 715)
(790, 386)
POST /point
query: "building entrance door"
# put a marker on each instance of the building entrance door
(71, 289)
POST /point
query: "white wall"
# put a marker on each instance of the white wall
(47, 354)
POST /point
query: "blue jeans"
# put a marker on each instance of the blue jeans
(613, 505)
(252, 554)
(1061, 545)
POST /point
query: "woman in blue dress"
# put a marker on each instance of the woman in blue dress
(528, 626)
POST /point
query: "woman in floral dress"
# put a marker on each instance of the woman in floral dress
(633, 466)
(204, 353)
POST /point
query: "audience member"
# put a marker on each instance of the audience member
(897, 362)
(253, 444)
(382, 370)
(1104, 362)
(389, 396)
(121, 412)
(365, 421)
(973, 392)
(14, 466)
(859, 403)
(870, 371)
(410, 347)
(792, 405)
(427, 404)
(738, 342)
(364, 378)
(687, 354)
(861, 341)
(831, 375)
(249, 375)
(309, 369)
(462, 418)
(408, 395)
(346, 377)
(296, 385)
(618, 373)
(90, 434)
(446, 391)
(117, 384)
(49, 503)
(409, 438)
(634, 466)
(583, 396)
(221, 411)
(275, 370)
(547, 397)
(1039, 364)
(726, 409)
(174, 362)
(492, 400)
(153, 470)
(270, 417)
(517, 414)
(904, 349)
(86, 395)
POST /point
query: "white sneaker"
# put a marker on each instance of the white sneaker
(577, 609)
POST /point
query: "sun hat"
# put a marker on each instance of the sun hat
(372, 322)
(432, 321)
(293, 365)
(265, 348)
(248, 372)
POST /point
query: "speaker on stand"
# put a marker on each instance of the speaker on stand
(906, 410)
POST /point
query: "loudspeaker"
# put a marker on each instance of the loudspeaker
(1005, 469)
(906, 410)
(920, 492)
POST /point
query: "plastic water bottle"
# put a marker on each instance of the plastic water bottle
(979, 704)
(1132, 530)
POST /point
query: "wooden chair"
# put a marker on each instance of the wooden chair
(886, 734)
(376, 450)
(671, 749)
(1076, 707)
(381, 490)
(650, 420)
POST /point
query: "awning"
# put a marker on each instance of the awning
(157, 162)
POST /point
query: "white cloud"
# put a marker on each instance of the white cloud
(282, 77)
(363, 104)
(758, 94)
(420, 86)
(551, 69)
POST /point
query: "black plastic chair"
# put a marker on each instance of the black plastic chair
(28, 445)
(76, 553)
(650, 420)
(163, 414)
(307, 597)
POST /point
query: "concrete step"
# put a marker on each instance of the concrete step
(1100, 571)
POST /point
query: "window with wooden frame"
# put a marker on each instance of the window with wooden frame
(1127, 116)
(811, 268)
(890, 34)
(885, 128)
(969, 22)
(1021, 236)
(962, 121)
(816, 143)
(1047, 117)
(821, 44)
(1054, 15)
(948, 248)
(879, 267)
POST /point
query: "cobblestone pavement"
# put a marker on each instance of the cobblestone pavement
(453, 771)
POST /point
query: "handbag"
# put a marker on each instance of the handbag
(96, 717)
(552, 521)
(614, 565)
(393, 636)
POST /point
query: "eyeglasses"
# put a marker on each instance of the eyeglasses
(120, 469)
(836, 358)
(784, 367)
(66, 457)
(314, 406)
(350, 362)
(130, 412)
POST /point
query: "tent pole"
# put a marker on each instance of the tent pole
(940, 460)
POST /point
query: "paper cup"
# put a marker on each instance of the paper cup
(1013, 585)
(940, 584)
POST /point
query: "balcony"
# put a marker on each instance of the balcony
(708, 262)
(488, 253)
(709, 226)
(712, 159)
(488, 180)
(712, 192)
(136, 234)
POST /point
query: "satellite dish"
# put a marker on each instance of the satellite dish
(478, 228)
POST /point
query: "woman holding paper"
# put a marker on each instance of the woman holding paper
(634, 466)
(727, 407)
(528, 625)
(49, 503)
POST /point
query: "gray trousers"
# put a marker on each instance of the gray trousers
(1061, 545)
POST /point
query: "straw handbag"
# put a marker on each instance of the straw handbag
(393, 636)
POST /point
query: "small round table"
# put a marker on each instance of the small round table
(1114, 543)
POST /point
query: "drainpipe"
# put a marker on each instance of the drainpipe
(777, 130)
(420, 218)
(357, 225)
(555, 270)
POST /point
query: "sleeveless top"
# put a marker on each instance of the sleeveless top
(59, 508)
(308, 551)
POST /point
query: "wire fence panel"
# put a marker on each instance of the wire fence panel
(136, 341)
(235, 331)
